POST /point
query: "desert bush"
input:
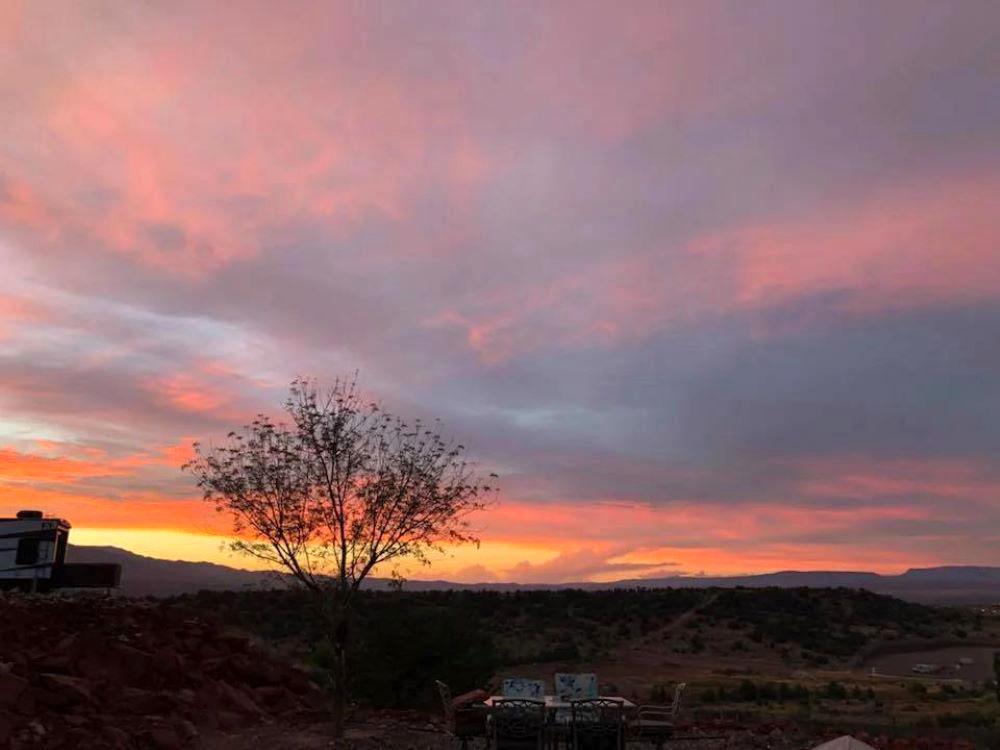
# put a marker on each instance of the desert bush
(401, 651)
(835, 691)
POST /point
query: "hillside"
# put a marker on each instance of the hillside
(814, 656)
(148, 576)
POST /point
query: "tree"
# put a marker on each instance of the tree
(340, 489)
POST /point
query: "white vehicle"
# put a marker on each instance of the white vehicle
(33, 556)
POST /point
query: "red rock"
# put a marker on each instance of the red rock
(115, 737)
(26, 704)
(298, 682)
(216, 666)
(236, 644)
(136, 665)
(143, 702)
(229, 720)
(6, 729)
(168, 662)
(276, 698)
(54, 663)
(186, 729)
(92, 673)
(238, 699)
(11, 687)
(61, 691)
(164, 738)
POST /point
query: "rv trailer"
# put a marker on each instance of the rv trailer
(33, 557)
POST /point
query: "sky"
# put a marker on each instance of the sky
(713, 286)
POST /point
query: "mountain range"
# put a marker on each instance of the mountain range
(952, 584)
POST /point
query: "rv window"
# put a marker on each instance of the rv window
(27, 552)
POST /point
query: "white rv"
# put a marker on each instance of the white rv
(33, 556)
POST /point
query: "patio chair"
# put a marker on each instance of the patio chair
(465, 720)
(521, 687)
(655, 724)
(518, 724)
(573, 687)
(597, 724)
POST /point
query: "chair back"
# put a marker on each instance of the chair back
(520, 687)
(598, 724)
(656, 722)
(678, 692)
(574, 687)
(518, 724)
(445, 692)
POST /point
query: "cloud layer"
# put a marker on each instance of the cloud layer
(713, 287)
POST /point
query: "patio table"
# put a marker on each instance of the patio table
(553, 702)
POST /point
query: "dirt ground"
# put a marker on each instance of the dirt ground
(900, 664)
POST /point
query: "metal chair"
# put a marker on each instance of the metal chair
(518, 724)
(655, 724)
(464, 723)
(522, 687)
(597, 724)
(445, 692)
(570, 687)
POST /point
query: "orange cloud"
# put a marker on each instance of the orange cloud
(63, 463)
(141, 510)
(20, 466)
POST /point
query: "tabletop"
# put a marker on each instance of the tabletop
(554, 702)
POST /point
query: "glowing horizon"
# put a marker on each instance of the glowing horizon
(459, 564)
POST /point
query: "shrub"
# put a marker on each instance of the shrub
(835, 691)
(747, 691)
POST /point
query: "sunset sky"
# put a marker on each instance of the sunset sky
(713, 286)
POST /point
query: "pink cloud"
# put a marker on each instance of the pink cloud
(187, 392)
(909, 246)
(904, 247)
(170, 137)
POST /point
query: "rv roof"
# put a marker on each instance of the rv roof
(61, 521)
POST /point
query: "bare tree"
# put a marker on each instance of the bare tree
(340, 489)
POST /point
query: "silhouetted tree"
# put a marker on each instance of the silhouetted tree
(343, 488)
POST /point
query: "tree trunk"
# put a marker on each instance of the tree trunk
(996, 674)
(341, 640)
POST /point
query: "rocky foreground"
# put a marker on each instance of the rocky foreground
(120, 674)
